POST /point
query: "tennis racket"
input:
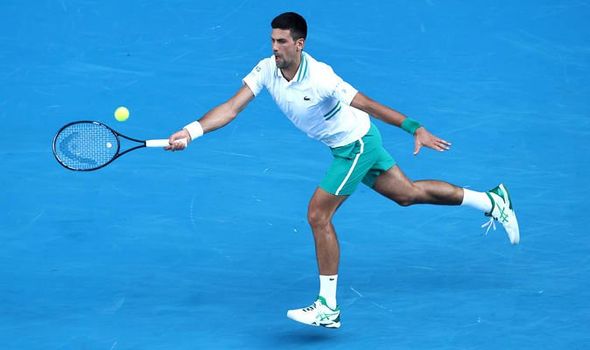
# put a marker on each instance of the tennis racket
(89, 145)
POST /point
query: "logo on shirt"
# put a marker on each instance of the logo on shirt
(258, 69)
(306, 98)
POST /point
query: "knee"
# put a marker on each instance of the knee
(405, 201)
(410, 197)
(318, 219)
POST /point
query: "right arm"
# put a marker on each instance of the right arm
(216, 118)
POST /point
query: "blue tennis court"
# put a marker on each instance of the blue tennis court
(208, 248)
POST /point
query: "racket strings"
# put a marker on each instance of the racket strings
(86, 146)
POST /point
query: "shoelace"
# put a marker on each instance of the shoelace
(310, 307)
(489, 224)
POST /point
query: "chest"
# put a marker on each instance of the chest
(299, 99)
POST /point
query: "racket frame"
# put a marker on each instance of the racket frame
(142, 144)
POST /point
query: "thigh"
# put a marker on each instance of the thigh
(393, 184)
(324, 204)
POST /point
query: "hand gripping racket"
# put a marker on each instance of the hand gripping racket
(90, 145)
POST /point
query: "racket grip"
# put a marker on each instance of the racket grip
(162, 142)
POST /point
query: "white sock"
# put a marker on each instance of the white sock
(477, 200)
(328, 286)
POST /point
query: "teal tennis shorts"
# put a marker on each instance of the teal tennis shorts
(360, 161)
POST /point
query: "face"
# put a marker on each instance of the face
(285, 49)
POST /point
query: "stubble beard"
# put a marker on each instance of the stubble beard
(281, 63)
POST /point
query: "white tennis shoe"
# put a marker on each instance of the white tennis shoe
(503, 212)
(317, 314)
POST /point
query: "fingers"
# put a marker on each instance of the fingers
(441, 145)
(176, 145)
(445, 143)
(432, 142)
(177, 142)
(436, 143)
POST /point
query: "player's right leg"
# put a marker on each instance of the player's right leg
(318, 314)
(324, 311)
(322, 207)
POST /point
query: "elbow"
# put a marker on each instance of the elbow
(232, 114)
(229, 113)
(232, 110)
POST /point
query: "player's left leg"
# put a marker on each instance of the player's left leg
(394, 185)
(495, 203)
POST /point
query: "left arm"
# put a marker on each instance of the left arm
(390, 116)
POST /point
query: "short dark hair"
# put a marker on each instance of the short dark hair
(292, 21)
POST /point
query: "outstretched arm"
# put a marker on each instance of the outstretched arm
(421, 136)
(216, 118)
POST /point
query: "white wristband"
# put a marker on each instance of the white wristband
(195, 130)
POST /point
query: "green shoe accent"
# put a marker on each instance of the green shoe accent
(325, 303)
(502, 193)
(493, 203)
(497, 190)
(322, 300)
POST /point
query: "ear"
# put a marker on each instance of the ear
(300, 43)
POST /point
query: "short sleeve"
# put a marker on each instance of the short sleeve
(331, 85)
(258, 77)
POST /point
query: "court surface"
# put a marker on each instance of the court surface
(208, 248)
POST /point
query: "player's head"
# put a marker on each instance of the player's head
(289, 31)
(293, 22)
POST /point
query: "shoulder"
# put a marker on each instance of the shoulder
(261, 74)
(266, 64)
(319, 70)
(322, 75)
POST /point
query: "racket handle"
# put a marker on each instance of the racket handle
(162, 142)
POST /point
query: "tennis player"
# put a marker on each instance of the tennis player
(330, 110)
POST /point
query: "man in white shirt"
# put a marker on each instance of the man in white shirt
(330, 110)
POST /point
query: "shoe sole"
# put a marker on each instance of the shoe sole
(332, 325)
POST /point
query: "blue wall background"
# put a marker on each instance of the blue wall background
(208, 248)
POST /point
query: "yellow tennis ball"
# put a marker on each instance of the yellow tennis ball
(121, 114)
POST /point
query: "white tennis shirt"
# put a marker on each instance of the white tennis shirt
(316, 100)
